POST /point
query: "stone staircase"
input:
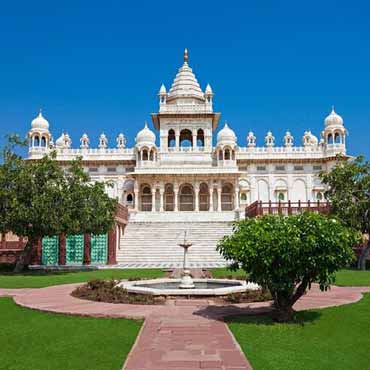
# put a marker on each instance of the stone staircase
(155, 244)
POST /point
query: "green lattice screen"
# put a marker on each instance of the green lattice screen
(50, 248)
(74, 249)
(99, 247)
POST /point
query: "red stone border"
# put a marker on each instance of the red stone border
(181, 335)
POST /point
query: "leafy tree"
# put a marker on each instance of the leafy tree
(40, 198)
(349, 196)
(287, 254)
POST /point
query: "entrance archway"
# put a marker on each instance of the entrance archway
(227, 197)
(186, 198)
(168, 198)
(203, 197)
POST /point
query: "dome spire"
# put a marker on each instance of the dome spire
(186, 56)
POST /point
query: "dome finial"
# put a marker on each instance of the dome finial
(186, 56)
(332, 109)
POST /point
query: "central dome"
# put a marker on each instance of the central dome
(185, 84)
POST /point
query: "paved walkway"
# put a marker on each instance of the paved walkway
(181, 335)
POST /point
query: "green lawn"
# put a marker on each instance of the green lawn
(353, 278)
(343, 277)
(333, 338)
(40, 279)
(37, 340)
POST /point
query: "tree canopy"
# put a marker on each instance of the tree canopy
(287, 254)
(349, 196)
(41, 198)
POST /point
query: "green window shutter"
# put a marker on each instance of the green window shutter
(50, 250)
(74, 249)
(99, 248)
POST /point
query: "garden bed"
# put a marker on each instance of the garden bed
(108, 291)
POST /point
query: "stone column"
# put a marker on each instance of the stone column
(194, 141)
(175, 196)
(196, 191)
(219, 189)
(62, 249)
(177, 138)
(153, 199)
(112, 238)
(236, 199)
(87, 249)
(161, 200)
(211, 198)
(136, 197)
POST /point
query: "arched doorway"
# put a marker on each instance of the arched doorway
(186, 198)
(200, 138)
(146, 198)
(168, 198)
(203, 197)
(186, 138)
(227, 197)
(171, 138)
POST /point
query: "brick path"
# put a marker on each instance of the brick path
(183, 334)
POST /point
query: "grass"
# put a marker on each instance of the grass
(353, 278)
(347, 277)
(333, 338)
(42, 341)
(40, 279)
(220, 273)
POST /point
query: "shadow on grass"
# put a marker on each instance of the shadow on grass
(300, 319)
(6, 269)
(262, 315)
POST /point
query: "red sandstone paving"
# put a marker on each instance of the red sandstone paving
(181, 335)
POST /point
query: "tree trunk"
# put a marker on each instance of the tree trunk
(285, 300)
(25, 256)
(363, 257)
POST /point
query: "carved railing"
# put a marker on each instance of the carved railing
(260, 208)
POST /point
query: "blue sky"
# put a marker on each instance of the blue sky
(273, 65)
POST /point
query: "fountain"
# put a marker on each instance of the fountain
(187, 286)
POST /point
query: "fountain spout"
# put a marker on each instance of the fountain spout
(186, 280)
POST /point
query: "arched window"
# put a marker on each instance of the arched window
(145, 155)
(43, 141)
(146, 198)
(319, 196)
(337, 138)
(36, 141)
(220, 155)
(227, 154)
(200, 138)
(169, 197)
(281, 197)
(151, 155)
(227, 198)
(203, 197)
(243, 197)
(171, 138)
(330, 139)
(186, 198)
(186, 138)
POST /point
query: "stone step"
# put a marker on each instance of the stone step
(157, 242)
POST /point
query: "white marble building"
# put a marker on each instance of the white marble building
(186, 170)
